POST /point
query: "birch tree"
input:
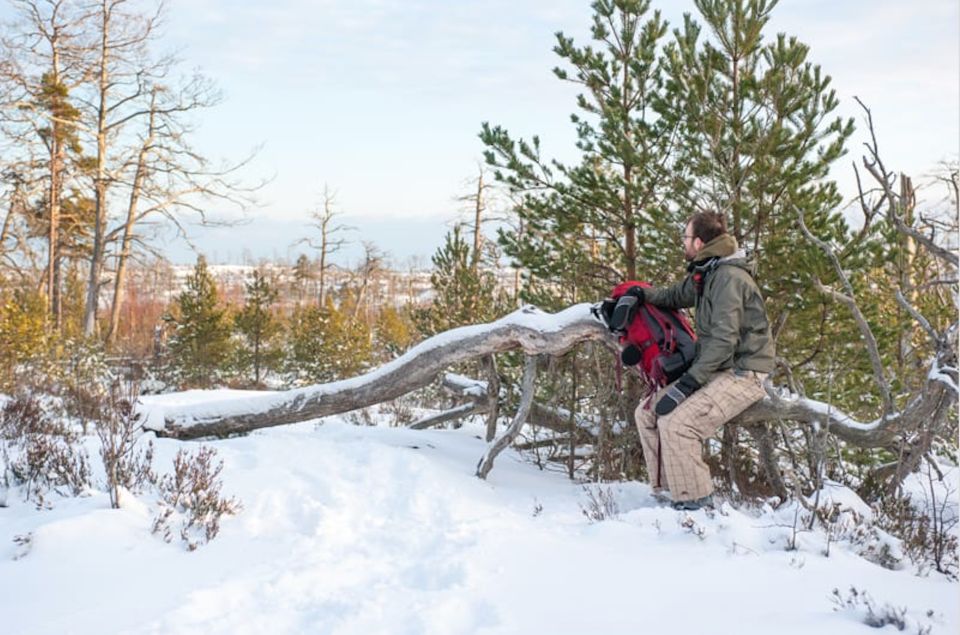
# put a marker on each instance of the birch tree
(138, 121)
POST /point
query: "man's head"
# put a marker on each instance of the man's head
(701, 229)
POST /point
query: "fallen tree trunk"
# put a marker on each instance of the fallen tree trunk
(528, 329)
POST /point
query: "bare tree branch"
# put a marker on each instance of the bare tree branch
(528, 388)
(875, 166)
(865, 331)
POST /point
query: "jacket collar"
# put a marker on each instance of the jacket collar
(723, 247)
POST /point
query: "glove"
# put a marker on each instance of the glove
(638, 293)
(630, 355)
(683, 388)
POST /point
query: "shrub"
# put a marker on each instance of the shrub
(40, 452)
(118, 428)
(601, 505)
(926, 528)
(873, 614)
(191, 497)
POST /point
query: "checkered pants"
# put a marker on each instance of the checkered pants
(673, 444)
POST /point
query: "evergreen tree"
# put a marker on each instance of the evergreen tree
(59, 137)
(200, 345)
(393, 332)
(605, 219)
(758, 139)
(463, 294)
(759, 134)
(258, 327)
(326, 344)
(302, 274)
(22, 335)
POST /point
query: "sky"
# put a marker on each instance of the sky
(382, 100)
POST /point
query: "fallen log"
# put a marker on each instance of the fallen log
(529, 329)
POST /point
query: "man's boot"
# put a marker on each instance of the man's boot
(692, 505)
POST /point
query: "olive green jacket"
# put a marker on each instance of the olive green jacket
(730, 317)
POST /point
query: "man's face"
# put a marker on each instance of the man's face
(691, 244)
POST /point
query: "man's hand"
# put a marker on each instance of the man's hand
(683, 388)
(638, 293)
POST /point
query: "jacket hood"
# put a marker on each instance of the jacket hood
(723, 250)
(742, 259)
(722, 246)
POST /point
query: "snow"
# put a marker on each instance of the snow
(371, 529)
(943, 374)
(465, 385)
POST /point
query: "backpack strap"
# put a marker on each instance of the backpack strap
(666, 327)
(700, 271)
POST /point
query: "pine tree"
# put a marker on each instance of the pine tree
(606, 218)
(326, 344)
(759, 135)
(58, 135)
(22, 335)
(463, 294)
(393, 332)
(302, 274)
(258, 327)
(200, 345)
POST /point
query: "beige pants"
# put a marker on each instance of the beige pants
(674, 443)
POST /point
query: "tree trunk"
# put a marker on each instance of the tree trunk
(477, 236)
(57, 156)
(128, 229)
(100, 182)
(528, 329)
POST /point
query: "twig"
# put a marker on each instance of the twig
(876, 168)
(935, 337)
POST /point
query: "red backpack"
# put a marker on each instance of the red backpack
(664, 338)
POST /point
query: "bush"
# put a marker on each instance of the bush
(191, 497)
(118, 428)
(926, 528)
(601, 505)
(22, 338)
(40, 452)
(873, 614)
(326, 344)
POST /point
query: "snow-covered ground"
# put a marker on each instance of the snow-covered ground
(365, 530)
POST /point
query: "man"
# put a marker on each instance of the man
(734, 355)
